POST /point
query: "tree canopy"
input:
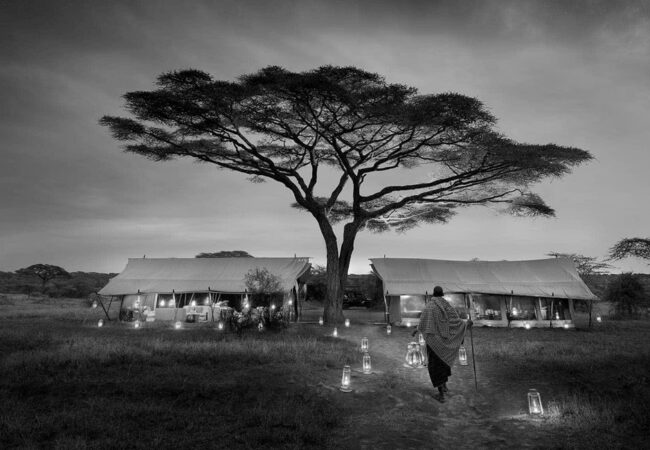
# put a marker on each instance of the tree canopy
(585, 265)
(630, 247)
(333, 136)
(45, 272)
(225, 254)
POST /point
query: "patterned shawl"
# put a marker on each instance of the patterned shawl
(443, 329)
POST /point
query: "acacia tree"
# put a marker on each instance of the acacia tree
(634, 247)
(298, 129)
(226, 254)
(45, 272)
(586, 266)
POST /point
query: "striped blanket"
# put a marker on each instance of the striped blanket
(443, 329)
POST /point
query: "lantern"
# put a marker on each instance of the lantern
(366, 363)
(94, 305)
(364, 344)
(193, 303)
(272, 307)
(527, 326)
(335, 333)
(408, 323)
(260, 326)
(178, 325)
(347, 323)
(345, 380)
(421, 340)
(557, 315)
(462, 356)
(162, 303)
(389, 329)
(320, 320)
(566, 326)
(420, 350)
(220, 325)
(515, 312)
(599, 319)
(290, 302)
(100, 323)
(535, 407)
(136, 324)
(413, 355)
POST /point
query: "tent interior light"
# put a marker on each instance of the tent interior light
(347, 323)
(320, 320)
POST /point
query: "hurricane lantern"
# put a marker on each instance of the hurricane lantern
(178, 325)
(260, 326)
(320, 320)
(367, 367)
(462, 355)
(347, 323)
(535, 407)
(413, 355)
(100, 323)
(389, 329)
(421, 340)
(566, 326)
(94, 305)
(335, 333)
(193, 303)
(364, 344)
(345, 379)
(220, 325)
(272, 307)
(599, 319)
(136, 324)
(527, 326)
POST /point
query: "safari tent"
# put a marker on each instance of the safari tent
(190, 288)
(534, 293)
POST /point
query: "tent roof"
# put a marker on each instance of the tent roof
(555, 277)
(199, 274)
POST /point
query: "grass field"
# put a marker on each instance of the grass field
(64, 383)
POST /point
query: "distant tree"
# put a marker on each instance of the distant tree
(342, 140)
(225, 254)
(627, 293)
(634, 247)
(585, 265)
(45, 272)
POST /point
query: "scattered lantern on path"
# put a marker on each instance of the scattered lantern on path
(599, 319)
(335, 333)
(413, 355)
(320, 320)
(260, 326)
(535, 407)
(527, 326)
(136, 324)
(347, 323)
(421, 340)
(389, 329)
(462, 356)
(364, 344)
(366, 363)
(408, 323)
(420, 350)
(94, 305)
(557, 315)
(566, 326)
(345, 379)
(220, 325)
(100, 323)
(178, 325)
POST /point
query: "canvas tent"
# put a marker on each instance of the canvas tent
(530, 293)
(180, 288)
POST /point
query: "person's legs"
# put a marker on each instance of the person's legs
(439, 373)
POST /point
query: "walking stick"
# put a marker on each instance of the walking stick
(471, 337)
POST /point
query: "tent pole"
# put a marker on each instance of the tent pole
(471, 339)
(386, 313)
(591, 302)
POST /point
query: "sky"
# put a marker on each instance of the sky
(571, 73)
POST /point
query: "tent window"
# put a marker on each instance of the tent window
(165, 301)
(522, 308)
(487, 307)
(411, 305)
(555, 309)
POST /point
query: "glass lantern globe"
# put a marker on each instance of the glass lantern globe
(100, 323)
(335, 333)
(566, 326)
(462, 355)
(220, 325)
(178, 325)
(421, 340)
(347, 323)
(320, 320)
(94, 304)
(413, 355)
(389, 329)
(345, 379)
(527, 326)
(364, 344)
(367, 367)
(535, 407)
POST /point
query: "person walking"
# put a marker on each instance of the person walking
(444, 332)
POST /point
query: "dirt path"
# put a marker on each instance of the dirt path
(393, 407)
